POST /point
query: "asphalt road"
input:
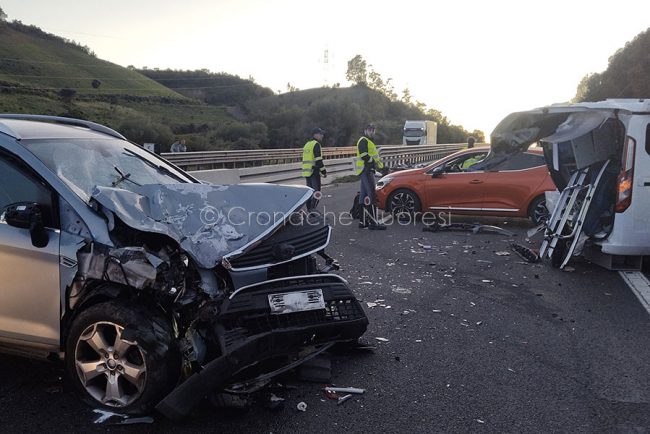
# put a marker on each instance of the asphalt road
(476, 342)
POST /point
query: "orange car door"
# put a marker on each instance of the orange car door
(462, 191)
(513, 184)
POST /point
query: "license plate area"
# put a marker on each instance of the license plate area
(299, 301)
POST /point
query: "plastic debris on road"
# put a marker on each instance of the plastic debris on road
(382, 339)
(502, 253)
(302, 406)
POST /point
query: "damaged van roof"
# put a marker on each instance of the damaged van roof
(557, 122)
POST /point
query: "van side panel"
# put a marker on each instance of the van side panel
(631, 233)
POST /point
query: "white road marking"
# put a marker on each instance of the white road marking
(640, 286)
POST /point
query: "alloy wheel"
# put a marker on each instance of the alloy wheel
(402, 203)
(111, 369)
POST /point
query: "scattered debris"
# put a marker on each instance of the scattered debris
(525, 253)
(371, 304)
(569, 269)
(382, 339)
(120, 419)
(503, 253)
(365, 283)
(425, 246)
(302, 406)
(353, 390)
(436, 311)
(343, 399)
(487, 281)
(400, 290)
(480, 421)
(467, 227)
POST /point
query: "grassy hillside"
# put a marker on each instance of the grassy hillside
(33, 59)
(41, 73)
(211, 88)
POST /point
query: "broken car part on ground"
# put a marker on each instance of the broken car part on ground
(165, 289)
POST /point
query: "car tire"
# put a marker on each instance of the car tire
(121, 357)
(404, 202)
(537, 211)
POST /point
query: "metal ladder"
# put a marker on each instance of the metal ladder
(564, 212)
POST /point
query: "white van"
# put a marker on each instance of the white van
(598, 154)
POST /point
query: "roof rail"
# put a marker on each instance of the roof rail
(68, 121)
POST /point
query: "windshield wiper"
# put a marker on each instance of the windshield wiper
(158, 167)
(123, 177)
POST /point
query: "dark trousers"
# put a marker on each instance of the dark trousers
(313, 181)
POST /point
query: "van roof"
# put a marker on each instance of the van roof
(633, 105)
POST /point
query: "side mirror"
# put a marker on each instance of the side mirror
(28, 215)
(438, 171)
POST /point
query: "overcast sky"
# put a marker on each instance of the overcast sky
(476, 61)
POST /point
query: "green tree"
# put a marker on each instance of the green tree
(3, 16)
(357, 70)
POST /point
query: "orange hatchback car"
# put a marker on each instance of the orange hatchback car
(457, 184)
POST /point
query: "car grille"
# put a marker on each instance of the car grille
(302, 239)
(250, 325)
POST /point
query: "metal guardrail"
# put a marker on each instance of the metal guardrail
(391, 155)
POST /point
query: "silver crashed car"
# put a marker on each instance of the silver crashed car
(156, 289)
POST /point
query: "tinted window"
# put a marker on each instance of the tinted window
(522, 161)
(647, 139)
(17, 186)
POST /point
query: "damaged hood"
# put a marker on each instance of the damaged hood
(209, 222)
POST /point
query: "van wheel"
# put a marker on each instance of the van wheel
(537, 211)
(120, 357)
(403, 202)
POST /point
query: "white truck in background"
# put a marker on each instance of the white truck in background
(420, 133)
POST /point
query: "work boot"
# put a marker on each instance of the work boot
(365, 219)
(373, 224)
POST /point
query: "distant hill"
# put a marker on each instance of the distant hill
(343, 112)
(43, 73)
(211, 88)
(33, 59)
(626, 75)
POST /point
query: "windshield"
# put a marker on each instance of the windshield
(413, 132)
(85, 163)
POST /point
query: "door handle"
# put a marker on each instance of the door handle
(476, 181)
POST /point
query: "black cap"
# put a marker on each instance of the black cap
(317, 131)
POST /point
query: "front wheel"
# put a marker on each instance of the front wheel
(537, 211)
(120, 357)
(404, 202)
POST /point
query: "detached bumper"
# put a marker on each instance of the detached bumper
(249, 333)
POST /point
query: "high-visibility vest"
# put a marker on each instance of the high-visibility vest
(308, 159)
(372, 153)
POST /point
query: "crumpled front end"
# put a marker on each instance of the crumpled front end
(239, 271)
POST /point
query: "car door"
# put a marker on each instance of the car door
(510, 185)
(456, 189)
(29, 276)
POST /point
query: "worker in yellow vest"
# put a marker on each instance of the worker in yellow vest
(313, 167)
(365, 165)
